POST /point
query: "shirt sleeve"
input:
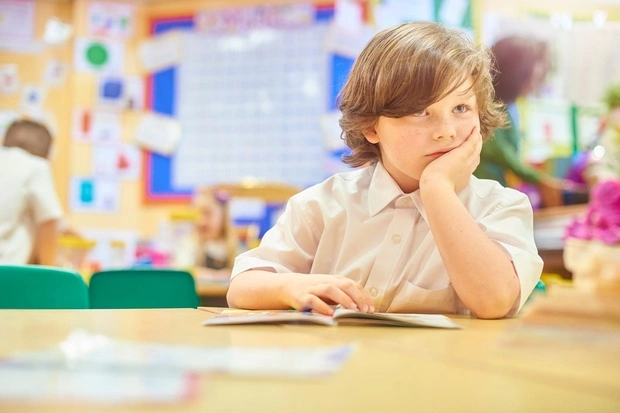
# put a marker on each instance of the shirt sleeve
(500, 151)
(42, 197)
(290, 245)
(510, 224)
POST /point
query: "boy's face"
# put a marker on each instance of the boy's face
(410, 143)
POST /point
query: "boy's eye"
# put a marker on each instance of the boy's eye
(421, 112)
(460, 108)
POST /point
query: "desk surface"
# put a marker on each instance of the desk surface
(391, 370)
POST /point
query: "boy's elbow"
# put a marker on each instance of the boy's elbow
(232, 296)
(494, 309)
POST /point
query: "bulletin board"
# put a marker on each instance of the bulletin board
(212, 137)
(261, 101)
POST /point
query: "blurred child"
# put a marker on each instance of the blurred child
(213, 244)
(521, 65)
(413, 231)
(29, 206)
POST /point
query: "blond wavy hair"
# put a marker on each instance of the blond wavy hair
(405, 69)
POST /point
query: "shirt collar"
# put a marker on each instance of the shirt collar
(382, 190)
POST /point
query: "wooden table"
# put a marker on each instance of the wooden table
(391, 370)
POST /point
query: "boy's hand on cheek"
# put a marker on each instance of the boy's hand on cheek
(317, 292)
(455, 168)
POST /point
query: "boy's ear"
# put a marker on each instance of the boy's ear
(371, 135)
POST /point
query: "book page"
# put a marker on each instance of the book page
(345, 316)
(269, 317)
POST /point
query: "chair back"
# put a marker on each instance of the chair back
(41, 287)
(143, 288)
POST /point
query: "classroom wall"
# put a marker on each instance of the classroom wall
(74, 158)
(57, 102)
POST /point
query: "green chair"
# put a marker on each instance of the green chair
(143, 288)
(41, 287)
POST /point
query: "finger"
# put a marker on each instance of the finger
(335, 294)
(475, 138)
(359, 295)
(311, 302)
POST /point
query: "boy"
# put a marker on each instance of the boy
(414, 231)
(29, 206)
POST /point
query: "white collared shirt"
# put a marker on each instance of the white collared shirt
(360, 225)
(28, 199)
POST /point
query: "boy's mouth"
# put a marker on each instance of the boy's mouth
(439, 153)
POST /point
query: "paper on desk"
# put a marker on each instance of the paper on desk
(110, 387)
(90, 352)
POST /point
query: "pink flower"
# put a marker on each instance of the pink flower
(602, 219)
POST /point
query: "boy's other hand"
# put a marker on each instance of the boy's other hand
(317, 292)
(455, 167)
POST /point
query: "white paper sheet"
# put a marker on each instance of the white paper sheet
(9, 79)
(158, 133)
(94, 195)
(38, 384)
(116, 161)
(98, 55)
(161, 52)
(86, 351)
(111, 19)
(96, 126)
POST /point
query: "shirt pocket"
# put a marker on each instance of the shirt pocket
(413, 299)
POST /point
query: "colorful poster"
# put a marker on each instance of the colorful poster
(110, 19)
(9, 79)
(94, 194)
(97, 55)
(16, 20)
(32, 98)
(116, 161)
(96, 126)
(121, 92)
(55, 73)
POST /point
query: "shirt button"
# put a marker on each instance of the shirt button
(396, 239)
(373, 291)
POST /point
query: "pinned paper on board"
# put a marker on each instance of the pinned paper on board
(549, 130)
(97, 55)
(57, 32)
(110, 19)
(158, 133)
(16, 20)
(116, 161)
(161, 52)
(121, 92)
(94, 194)
(55, 73)
(32, 98)
(96, 126)
(9, 79)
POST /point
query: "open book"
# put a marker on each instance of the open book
(341, 316)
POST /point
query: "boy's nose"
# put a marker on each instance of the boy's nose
(444, 130)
